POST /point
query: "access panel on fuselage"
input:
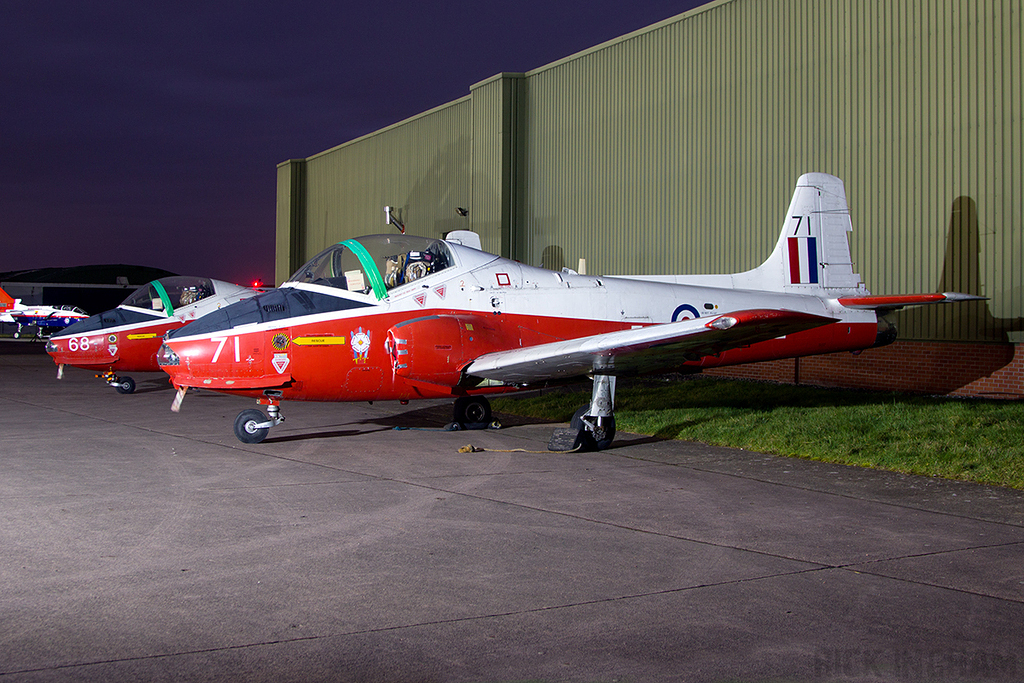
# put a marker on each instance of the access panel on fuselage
(344, 360)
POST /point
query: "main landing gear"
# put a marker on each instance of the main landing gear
(471, 412)
(17, 333)
(123, 385)
(251, 426)
(592, 427)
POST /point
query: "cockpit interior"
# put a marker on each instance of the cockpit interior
(169, 293)
(155, 300)
(375, 264)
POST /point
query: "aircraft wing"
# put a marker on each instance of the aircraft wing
(637, 351)
(885, 304)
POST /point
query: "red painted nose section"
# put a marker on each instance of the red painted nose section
(234, 361)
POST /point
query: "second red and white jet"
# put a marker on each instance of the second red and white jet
(126, 338)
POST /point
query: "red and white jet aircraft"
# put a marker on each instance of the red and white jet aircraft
(126, 338)
(401, 317)
(45, 319)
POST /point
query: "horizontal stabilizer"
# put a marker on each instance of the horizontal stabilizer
(647, 349)
(894, 303)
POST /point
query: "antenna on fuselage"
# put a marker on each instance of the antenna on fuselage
(390, 219)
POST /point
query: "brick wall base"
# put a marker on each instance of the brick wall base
(944, 368)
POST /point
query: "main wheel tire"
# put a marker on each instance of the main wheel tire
(472, 410)
(246, 429)
(602, 437)
(125, 385)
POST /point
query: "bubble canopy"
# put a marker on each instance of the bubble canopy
(375, 264)
(363, 270)
(169, 293)
(156, 300)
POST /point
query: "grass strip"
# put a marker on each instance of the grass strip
(966, 439)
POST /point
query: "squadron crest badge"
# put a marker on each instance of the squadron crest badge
(360, 345)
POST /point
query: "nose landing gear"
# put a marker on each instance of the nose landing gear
(252, 426)
(124, 385)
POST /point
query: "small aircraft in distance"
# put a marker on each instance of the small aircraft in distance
(46, 319)
(398, 317)
(126, 338)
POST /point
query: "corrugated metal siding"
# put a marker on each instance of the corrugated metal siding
(289, 252)
(488, 176)
(497, 157)
(420, 167)
(286, 226)
(676, 149)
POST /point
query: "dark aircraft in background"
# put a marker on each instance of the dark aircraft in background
(46, 319)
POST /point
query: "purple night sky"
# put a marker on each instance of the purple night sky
(150, 134)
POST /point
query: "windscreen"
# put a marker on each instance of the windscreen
(107, 319)
(276, 304)
(170, 293)
(376, 263)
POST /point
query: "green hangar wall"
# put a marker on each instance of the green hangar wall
(675, 149)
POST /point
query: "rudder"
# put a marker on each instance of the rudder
(6, 302)
(813, 251)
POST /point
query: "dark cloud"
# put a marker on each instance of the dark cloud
(150, 134)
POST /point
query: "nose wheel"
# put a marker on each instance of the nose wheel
(123, 385)
(252, 426)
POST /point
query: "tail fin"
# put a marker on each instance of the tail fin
(6, 302)
(813, 252)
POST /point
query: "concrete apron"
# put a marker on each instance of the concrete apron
(142, 544)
